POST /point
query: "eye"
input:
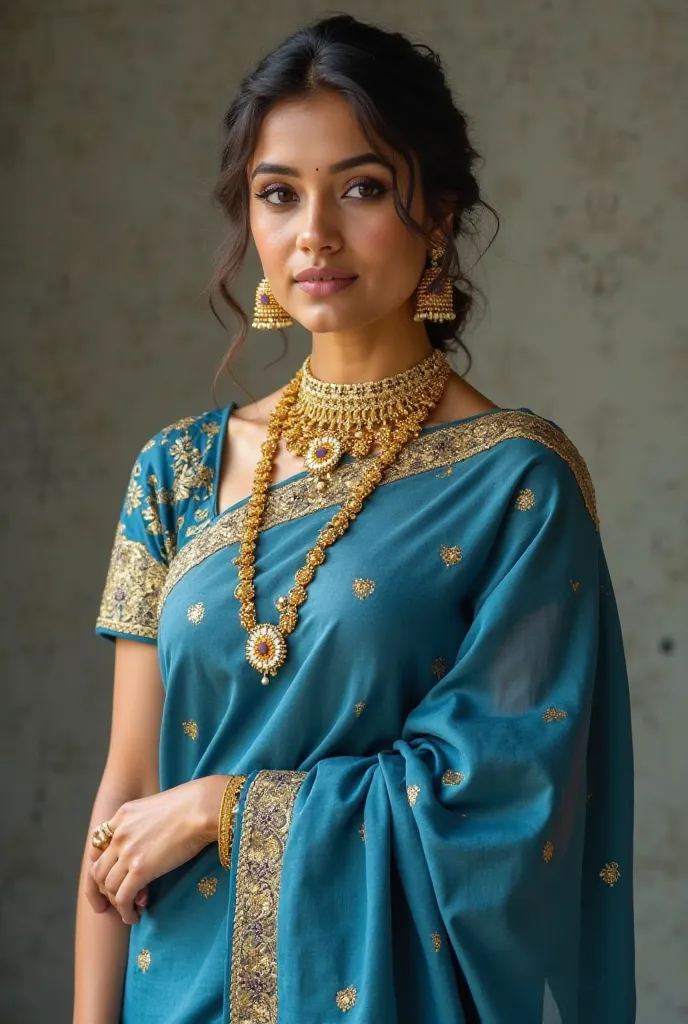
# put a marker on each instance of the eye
(368, 183)
(273, 190)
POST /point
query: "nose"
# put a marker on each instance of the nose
(318, 231)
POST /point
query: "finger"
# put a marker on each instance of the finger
(125, 898)
(114, 880)
(97, 851)
(94, 896)
(142, 896)
(102, 867)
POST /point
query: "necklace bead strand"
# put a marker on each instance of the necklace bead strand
(333, 418)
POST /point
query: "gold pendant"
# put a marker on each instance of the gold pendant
(322, 455)
(266, 650)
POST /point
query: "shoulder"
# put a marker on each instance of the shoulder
(511, 448)
(531, 449)
(178, 440)
(174, 477)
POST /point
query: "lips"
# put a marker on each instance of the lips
(324, 274)
(321, 287)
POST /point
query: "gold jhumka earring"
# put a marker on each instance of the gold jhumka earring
(267, 313)
(434, 305)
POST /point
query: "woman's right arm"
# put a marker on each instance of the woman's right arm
(131, 772)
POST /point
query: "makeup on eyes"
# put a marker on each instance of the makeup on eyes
(362, 182)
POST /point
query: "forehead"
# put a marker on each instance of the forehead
(312, 131)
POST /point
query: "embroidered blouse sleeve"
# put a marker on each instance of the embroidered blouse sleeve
(143, 548)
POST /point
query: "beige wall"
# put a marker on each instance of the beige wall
(109, 130)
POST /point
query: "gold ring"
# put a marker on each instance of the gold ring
(102, 836)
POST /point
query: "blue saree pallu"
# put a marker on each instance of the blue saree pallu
(437, 822)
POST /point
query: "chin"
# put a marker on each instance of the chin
(329, 321)
(326, 321)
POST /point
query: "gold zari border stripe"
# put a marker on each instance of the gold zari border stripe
(265, 824)
(441, 447)
(132, 590)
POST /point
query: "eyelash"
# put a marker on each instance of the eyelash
(368, 182)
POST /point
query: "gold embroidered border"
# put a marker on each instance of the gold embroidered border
(440, 447)
(264, 829)
(132, 589)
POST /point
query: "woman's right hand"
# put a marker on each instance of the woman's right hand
(101, 903)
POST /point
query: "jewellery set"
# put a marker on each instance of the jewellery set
(322, 422)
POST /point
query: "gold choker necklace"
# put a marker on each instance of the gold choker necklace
(322, 421)
(327, 420)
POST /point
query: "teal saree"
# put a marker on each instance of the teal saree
(437, 822)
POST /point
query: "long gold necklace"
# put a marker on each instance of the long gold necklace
(322, 421)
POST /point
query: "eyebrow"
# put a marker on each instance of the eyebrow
(342, 165)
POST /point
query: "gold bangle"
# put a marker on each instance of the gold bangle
(228, 809)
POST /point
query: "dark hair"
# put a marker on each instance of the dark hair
(398, 93)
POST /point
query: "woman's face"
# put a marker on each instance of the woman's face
(306, 212)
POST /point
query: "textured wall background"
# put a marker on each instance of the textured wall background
(109, 139)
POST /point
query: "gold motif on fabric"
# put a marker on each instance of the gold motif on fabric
(610, 873)
(554, 715)
(439, 668)
(452, 778)
(525, 500)
(134, 496)
(359, 708)
(575, 586)
(132, 591)
(363, 588)
(450, 444)
(447, 471)
(436, 941)
(207, 886)
(195, 613)
(143, 960)
(265, 827)
(190, 472)
(548, 852)
(412, 794)
(181, 424)
(451, 556)
(346, 998)
(191, 729)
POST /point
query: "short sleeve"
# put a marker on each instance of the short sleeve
(140, 557)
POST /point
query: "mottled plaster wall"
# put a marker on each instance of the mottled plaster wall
(109, 132)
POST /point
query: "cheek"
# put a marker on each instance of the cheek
(390, 252)
(272, 238)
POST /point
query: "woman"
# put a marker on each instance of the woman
(366, 622)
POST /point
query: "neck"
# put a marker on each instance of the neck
(381, 349)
